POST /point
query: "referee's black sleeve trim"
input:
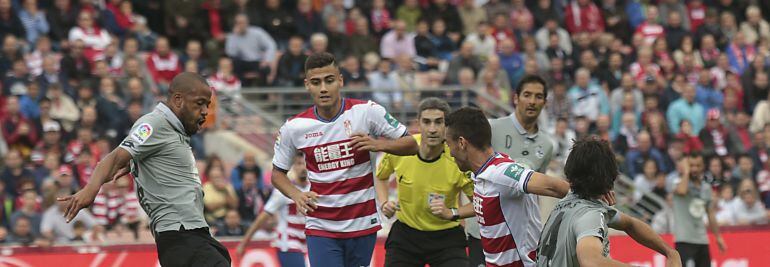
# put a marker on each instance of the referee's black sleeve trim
(280, 169)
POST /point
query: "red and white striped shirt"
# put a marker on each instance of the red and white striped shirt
(109, 207)
(509, 217)
(341, 177)
(291, 224)
(163, 68)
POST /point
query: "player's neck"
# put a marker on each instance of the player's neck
(478, 158)
(529, 126)
(430, 152)
(328, 113)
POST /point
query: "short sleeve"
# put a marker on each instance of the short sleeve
(284, 150)
(276, 201)
(381, 123)
(466, 184)
(144, 139)
(512, 175)
(386, 168)
(590, 224)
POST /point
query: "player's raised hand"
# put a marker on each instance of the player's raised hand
(389, 208)
(306, 202)
(82, 199)
(365, 142)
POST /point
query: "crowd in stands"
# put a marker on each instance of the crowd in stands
(658, 78)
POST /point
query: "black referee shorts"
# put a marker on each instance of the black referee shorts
(191, 248)
(407, 246)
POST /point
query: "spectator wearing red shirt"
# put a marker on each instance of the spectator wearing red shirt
(650, 28)
(691, 142)
(116, 205)
(94, 38)
(18, 131)
(583, 16)
(644, 68)
(717, 140)
(163, 64)
(380, 18)
(696, 11)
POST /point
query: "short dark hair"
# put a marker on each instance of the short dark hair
(433, 103)
(591, 168)
(471, 124)
(320, 60)
(531, 79)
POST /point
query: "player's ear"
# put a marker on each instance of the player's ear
(342, 81)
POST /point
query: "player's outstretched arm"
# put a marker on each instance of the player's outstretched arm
(403, 146)
(644, 235)
(306, 201)
(261, 219)
(544, 185)
(113, 166)
(589, 253)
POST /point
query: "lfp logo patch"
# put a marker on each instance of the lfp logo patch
(142, 133)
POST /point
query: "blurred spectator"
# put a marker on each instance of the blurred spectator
(34, 21)
(635, 158)
(291, 65)
(686, 108)
(64, 179)
(116, 204)
(163, 64)
(500, 77)
(441, 9)
(10, 24)
(755, 27)
(587, 98)
(397, 42)
(380, 18)
(29, 210)
(709, 51)
(75, 66)
(136, 93)
(22, 233)
(55, 227)
(383, 81)
(247, 163)
(18, 131)
(470, 15)
(84, 140)
(546, 10)
(583, 16)
(648, 181)
(761, 116)
(319, 43)
(690, 140)
(559, 105)
(563, 138)
(717, 139)
(676, 28)
(352, 73)
(95, 39)
(663, 221)
(46, 171)
(63, 108)
(464, 59)
(426, 50)
(627, 86)
(360, 41)
(444, 44)
(410, 12)
(13, 174)
(644, 67)
(336, 9)
(502, 30)
(625, 136)
(224, 82)
(705, 93)
(740, 52)
(277, 22)
(194, 52)
(687, 48)
(484, 43)
(744, 170)
(220, 196)
(755, 85)
(728, 25)
(696, 13)
(338, 40)
(530, 51)
(251, 48)
(231, 225)
(251, 195)
(740, 129)
(747, 208)
(51, 143)
(306, 20)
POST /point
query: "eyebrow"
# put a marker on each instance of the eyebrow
(322, 78)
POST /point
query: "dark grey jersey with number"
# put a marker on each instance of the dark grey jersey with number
(167, 180)
(572, 219)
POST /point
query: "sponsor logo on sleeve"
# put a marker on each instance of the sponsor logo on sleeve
(514, 171)
(142, 133)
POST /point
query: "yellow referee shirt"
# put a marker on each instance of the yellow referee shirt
(418, 179)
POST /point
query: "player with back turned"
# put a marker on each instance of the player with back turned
(167, 181)
(575, 233)
(336, 137)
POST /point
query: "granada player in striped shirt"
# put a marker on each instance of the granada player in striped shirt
(505, 193)
(290, 243)
(334, 137)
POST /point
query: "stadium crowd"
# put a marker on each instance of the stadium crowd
(660, 79)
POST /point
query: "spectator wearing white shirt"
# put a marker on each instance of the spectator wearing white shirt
(542, 36)
(746, 208)
(484, 43)
(94, 38)
(384, 81)
(587, 98)
(251, 48)
(55, 227)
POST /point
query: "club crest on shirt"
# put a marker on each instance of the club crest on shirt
(539, 152)
(142, 133)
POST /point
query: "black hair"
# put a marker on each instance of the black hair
(433, 103)
(471, 124)
(531, 79)
(320, 60)
(591, 168)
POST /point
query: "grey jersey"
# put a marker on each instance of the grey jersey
(167, 180)
(572, 219)
(689, 211)
(532, 150)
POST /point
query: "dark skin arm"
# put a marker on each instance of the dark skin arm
(113, 166)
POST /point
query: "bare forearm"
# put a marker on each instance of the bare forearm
(282, 183)
(713, 224)
(403, 146)
(466, 211)
(261, 219)
(104, 171)
(681, 187)
(381, 188)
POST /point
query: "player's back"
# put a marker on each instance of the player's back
(572, 219)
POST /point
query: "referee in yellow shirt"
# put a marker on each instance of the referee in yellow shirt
(425, 232)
